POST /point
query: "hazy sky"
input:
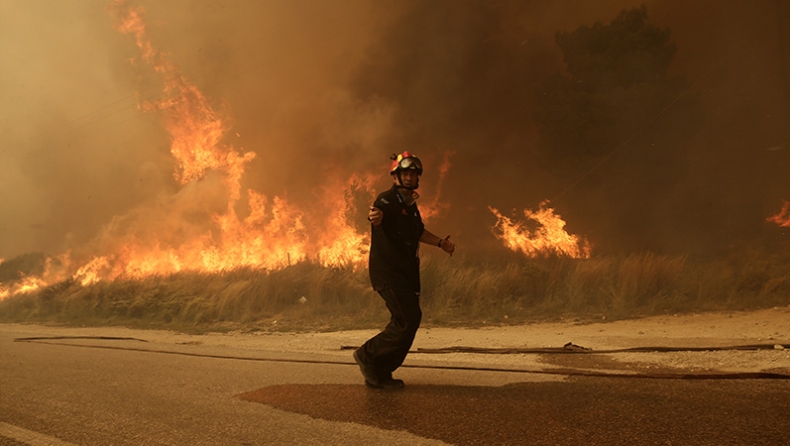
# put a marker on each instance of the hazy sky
(319, 89)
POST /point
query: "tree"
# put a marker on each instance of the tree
(620, 123)
(616, 82)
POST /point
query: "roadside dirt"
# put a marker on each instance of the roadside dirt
(770, 327)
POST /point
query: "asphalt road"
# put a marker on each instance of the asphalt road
(89, 394)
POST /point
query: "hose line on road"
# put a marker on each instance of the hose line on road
(573, 348)
(102, 338)
(568, 348)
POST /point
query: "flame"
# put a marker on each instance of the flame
(195, 128)
(54, 271)
(549, 238)
(783, 217)
(199, 228)
(340, 242)
(91, 272)
(210, 224)
(27, 284)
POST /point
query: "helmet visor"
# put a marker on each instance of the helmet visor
(410, 163)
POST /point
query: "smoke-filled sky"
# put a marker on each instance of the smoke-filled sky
(321, 89)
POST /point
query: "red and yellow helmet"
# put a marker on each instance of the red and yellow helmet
(405, 161)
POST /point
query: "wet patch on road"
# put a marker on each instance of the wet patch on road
(579, 411)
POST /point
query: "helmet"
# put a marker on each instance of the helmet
(405, 161)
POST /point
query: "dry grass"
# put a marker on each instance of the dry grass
(506, 290)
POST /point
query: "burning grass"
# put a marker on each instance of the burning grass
(506, 290)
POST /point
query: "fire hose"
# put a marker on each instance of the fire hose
(568, 348)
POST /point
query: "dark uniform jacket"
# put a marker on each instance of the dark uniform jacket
(394, 245)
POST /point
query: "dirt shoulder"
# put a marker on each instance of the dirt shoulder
(770, 327)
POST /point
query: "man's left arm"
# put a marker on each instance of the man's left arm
(430, 239)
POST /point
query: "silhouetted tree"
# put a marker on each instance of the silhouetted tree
(616, 127)
(616, 83)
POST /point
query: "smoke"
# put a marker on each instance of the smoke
(700, 175)
(76, 151)
(322, 90)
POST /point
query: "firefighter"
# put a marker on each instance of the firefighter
(394, 264)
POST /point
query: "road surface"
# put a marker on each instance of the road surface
(157, 392)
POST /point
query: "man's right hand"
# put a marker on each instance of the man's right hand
(375, 215)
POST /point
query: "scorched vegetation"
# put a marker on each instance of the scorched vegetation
(458, 291)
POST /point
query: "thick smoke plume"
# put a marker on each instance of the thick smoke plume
(320, 91)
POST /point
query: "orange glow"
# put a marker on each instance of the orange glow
(435, 206)
(211, 224)
(549, 238)
(783, 217)
(274, 233)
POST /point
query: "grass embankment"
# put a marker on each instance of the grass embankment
(457, 291)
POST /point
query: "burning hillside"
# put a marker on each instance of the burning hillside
(253, 135)
(200, 227)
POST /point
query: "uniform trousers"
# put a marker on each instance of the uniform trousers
(386, 351)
